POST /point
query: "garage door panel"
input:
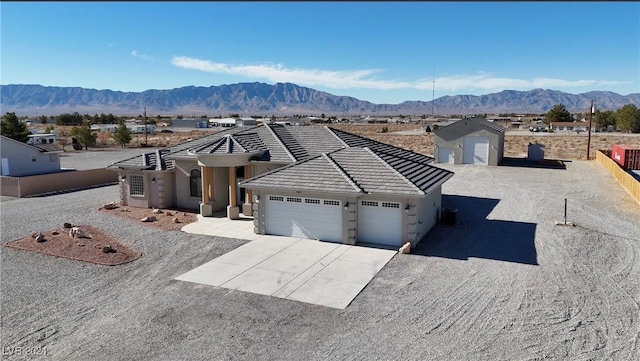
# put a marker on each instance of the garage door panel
(475, 150)
(380, 223)
(446, 155)
(304, 217)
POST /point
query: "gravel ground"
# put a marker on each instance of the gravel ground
(504, 283)
(98, 158)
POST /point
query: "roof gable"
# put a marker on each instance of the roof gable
(492, 127)
(355, 170)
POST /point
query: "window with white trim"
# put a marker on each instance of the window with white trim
(136, 185)
(312, 201)
(328, 202)
(369, 203)
(294, 199)
(276, 198)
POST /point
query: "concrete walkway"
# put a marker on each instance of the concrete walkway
(321, 273)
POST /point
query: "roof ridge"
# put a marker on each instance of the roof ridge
(407, 180)
(342, 172)
(273, 133)
(330, 130)
(232, 141)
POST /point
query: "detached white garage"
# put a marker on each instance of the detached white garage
(371, 228)
(469, 141)
(311, 218)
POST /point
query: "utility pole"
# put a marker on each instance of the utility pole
(145, 126)
(589, 130)
(433, 96)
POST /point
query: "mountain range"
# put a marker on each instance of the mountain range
(284, 99)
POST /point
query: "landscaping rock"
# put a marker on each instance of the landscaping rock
(40, 238)
(109, 206)
(77, 232)
(67, 225)
(108, 249)
(148, 219)
(55, 233)
(157, 211)
(167, 213)
(176, 220)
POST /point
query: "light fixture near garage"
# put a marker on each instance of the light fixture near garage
(346, 206)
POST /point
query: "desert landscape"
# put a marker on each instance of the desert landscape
(563, 146)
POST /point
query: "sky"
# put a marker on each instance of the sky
(382, 52)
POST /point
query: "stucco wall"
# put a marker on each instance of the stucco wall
(53, 182)
(427, 214)
(26, 160)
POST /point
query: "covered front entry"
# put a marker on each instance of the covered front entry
(446, 155)
(311, 218)
(380, 222)
(475, 150)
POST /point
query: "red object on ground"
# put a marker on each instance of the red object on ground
(627, 156)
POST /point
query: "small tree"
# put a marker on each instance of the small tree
(557, 114)
(13, 128)
(628, 119)
(104, 137)
(122, 135)
(605, 118)
(63, 137)
(85, 137)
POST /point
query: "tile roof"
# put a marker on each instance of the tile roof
(353, 171)
(481, 122)
(344, 167)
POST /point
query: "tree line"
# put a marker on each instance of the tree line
(625, 119)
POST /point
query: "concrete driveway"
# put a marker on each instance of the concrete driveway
(311, 271)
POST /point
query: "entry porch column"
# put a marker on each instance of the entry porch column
(233, 211)
(247, 207)
(208, 195)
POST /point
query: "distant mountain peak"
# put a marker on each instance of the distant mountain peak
(255, 98)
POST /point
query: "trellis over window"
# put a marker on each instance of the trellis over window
(195, 183)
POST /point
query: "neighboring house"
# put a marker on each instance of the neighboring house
(190, 123)
(469, 141)
(572, 126)
(38, 139)
(312, 182)
(21, 159)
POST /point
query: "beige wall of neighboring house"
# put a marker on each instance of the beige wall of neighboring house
(20, 159)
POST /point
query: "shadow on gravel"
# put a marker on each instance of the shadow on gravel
(524, 162)
(473, 235)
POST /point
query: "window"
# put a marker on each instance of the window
(312, 201)
(390, 205)
(195, 183)
(294, 199)
(136, 185)
(369, 203)
(33, 158)
(276, 198)
(331, 203)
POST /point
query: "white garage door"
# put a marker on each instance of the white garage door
(304, 217)
(476, 150)
(380, 223)
(446, 155)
